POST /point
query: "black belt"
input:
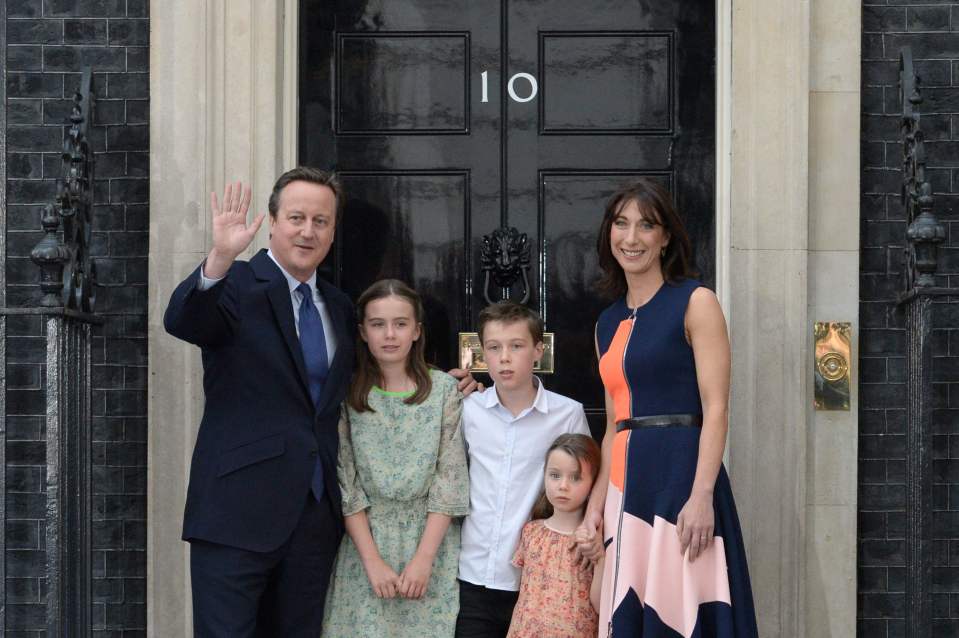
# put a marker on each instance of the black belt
(660, 421)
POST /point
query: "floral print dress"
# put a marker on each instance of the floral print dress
(554, 589)
(399, 463)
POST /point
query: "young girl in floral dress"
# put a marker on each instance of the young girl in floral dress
(402, 471)
(557, 593)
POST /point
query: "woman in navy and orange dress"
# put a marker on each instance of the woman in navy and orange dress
(674, 560)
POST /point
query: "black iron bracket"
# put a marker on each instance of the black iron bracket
(68, 275)
(925, 232)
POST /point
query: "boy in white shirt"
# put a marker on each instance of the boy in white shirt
(507, 429)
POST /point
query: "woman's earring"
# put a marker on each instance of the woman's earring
(662, 252)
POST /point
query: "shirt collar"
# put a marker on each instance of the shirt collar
(292, 281)
(540, 403)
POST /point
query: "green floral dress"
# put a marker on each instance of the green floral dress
(399, 463)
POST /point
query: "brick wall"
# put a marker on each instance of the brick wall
(931, 28)
(48, 41)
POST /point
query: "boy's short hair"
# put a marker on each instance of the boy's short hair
(510, 312)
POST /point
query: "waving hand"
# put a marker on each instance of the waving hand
(231, 233)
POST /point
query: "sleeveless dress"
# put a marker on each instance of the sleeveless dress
(649, 587)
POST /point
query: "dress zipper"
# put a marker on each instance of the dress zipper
(622, 504)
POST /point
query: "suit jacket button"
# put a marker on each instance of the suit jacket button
(312, 452)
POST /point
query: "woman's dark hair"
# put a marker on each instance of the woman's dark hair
(582, 448)
(656, 206)
(367, 370)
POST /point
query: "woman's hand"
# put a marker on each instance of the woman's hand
(415, 577)
(383, 579)
(696, 523)
(589, 538)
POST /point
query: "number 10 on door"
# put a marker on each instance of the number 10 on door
(511, 87)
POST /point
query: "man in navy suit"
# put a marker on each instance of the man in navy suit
(263, 514)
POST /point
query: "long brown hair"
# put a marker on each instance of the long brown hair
(368, 370)
(656, 206)
(582, 448)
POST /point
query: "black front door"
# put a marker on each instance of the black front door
(448, 119)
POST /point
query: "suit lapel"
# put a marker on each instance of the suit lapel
(344, 344)
(278, 292)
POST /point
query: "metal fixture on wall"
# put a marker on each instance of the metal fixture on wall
(925, 233)
(65, 307)
(833, 343)
(67, 271)
(923, 237)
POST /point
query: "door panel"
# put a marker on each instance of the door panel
(402, 83)
(606, 82)
(391, 97)
(571, 304)
(405, 227)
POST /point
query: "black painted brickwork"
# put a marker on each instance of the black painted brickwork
(48, 41)
(931, 28)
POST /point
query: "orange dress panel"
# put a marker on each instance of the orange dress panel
(612, 373)
(614, 379)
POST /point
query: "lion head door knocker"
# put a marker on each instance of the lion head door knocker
(505, 259)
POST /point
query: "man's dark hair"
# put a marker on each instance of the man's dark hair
(305, 174)
(509, 312)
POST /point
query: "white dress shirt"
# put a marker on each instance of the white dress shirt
(207, 283)
(506, 462)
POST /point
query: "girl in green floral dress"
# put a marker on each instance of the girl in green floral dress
(402, 470)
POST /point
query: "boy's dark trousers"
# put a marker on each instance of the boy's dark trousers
(484, 613)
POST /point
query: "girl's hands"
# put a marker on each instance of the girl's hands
(695, 524)
(589, 538)
(589, 545)
(383, 579)
(415, 577)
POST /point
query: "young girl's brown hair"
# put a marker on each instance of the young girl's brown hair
(367, 370)
(582, 448)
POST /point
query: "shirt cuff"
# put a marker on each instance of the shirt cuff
(205, 282)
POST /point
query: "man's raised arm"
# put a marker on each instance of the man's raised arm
(198, 312)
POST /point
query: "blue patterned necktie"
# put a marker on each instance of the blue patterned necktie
(313, 345)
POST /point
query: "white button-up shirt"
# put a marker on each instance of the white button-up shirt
(295, 297)
(506, 462)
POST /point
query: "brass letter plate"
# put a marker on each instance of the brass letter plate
(471, 354)
(833, 360)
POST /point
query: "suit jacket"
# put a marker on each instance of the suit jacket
(260, 432)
